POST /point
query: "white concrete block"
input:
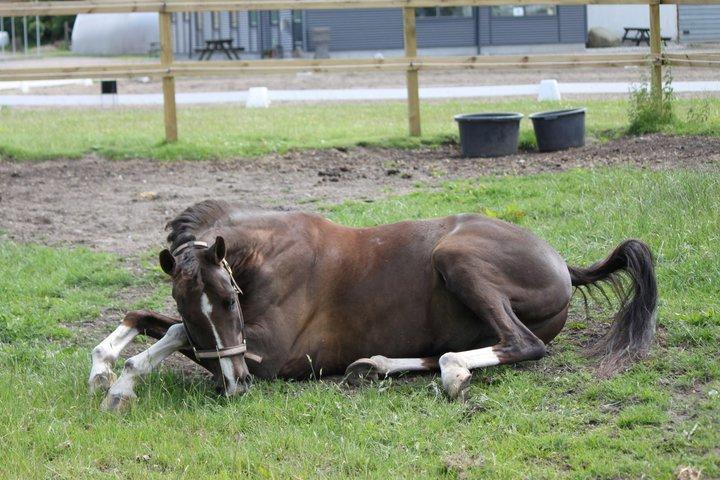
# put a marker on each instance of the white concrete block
(258, 97)
(548, 91)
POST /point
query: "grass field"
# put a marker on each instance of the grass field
(226, 132)
(546, 419)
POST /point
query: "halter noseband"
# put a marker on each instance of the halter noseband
(218, 353)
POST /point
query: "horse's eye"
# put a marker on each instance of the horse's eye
(229, 303)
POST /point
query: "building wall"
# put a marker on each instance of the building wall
(190, 30)
(572, 24)
(615, 17)
(285, 27)
(444, 32)
(368, 29)
(699, 23)
(520, 30)
(382, 29)
(568, 26)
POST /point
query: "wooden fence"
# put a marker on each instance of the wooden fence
(168, 68)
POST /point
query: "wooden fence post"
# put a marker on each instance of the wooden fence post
(168, 81)
(413, 93)
(656, 53)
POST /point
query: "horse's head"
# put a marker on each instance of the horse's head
(207, 299)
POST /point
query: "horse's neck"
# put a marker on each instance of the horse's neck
(244, 244)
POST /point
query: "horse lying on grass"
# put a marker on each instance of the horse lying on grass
(293, 295)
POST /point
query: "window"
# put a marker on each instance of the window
(433, 12)
(186, 17)
(199, 27)
(234, 19)
(274, 17)
(215, 20)
(253, 19)
(524, 11)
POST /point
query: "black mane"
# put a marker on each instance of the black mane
(194, 220)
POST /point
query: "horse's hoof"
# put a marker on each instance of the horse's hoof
(362, 371)
(456, 383)
(101, 382)
(117, 402)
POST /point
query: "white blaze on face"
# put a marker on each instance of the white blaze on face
(225, 363)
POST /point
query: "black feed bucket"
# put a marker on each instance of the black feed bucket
(559, 129)
(489, 134)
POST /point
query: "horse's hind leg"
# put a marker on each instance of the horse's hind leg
(514, 346)
(516, 342)
(107, 352)
(378, 366)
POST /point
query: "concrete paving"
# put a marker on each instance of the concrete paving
(356, 94)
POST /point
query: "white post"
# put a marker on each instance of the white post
(37, 34)
(12, 34)
(25, 36)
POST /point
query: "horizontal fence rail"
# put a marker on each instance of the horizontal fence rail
(221, 68)
(168, 69)
(123, 6)
(231, 68)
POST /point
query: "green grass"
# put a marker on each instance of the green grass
(43, 288)
(227, 132)
(546, 419)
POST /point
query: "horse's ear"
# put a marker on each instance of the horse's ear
(167, 261)
(218, 250)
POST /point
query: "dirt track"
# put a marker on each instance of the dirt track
(122, 206)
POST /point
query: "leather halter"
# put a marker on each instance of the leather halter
(218, 353)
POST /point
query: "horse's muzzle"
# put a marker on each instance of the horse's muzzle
(241, 387)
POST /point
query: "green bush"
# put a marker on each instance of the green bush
(647, 114)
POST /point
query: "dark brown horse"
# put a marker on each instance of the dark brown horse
(453, 293)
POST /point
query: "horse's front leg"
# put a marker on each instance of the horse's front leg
(121, 393)
(107, 352)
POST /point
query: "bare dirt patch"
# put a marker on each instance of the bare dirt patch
(122, 206)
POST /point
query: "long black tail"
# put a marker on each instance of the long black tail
(633, 328)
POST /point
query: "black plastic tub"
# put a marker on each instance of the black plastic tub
(489, 134)
(559, 129)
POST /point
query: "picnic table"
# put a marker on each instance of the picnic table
(224, 45)
(639, 35)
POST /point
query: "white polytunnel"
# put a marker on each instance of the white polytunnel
(115, 33)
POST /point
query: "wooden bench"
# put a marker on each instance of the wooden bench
(223, 45)
(639, 35)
